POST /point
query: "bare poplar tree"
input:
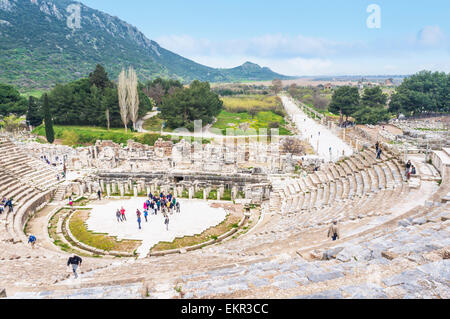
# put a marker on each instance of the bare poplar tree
(132, 96)
(122, 92)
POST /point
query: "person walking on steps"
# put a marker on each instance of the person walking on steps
(32, 241)
(75, 262)
(333, 232)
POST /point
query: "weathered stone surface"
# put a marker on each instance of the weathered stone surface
(2, 293)
(419, 221)
(323, 276)
(389, 255)
(404, 223)
(367, 291)
(356, 252)
(329, 294)
(332, 253)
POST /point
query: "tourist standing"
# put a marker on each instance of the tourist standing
(122, 211)
(139, 221)
(333, 232)
(70, 201)
(75, 261)
(99, 193)
(145, 215)
(32, 241)
(379, 153)
(118, 216)
(166, 222)
(178, 207)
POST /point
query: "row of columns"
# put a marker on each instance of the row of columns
(128, 187)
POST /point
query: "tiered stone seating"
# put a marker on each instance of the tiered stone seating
(28, 182)
(18, 164)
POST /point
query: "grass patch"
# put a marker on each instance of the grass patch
(153, 124)
(101, 241)
(261, 120)
(229, 223)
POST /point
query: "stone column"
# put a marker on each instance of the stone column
(89, 187)
(138, 187)
(135, 190)
(108, 190)
(122, 190)
(205, 194)
(148, 191)
(191, 192)
(102, 185)
(218, 194)
(233, 193)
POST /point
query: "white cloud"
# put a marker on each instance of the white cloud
(431, 36)
(301, 55)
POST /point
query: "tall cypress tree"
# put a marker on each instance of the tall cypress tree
(49, 132)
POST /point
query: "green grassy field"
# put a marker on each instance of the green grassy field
(256, 111)
(34, 93)
(262, 120)
(153, 124)
(249, 103)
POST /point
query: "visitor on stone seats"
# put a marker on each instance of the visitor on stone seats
(333, 232)
(379, 153)
(413, 170)
(75, 261)
(408, 167)
(9, 205)
(32, 241)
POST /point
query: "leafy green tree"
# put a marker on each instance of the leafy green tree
(422, 92)
(185, 106)
(34, 117)
(374, 97)
(11, 101)
(345, 101)
(11, 123)
(49, 132)
(371, 115)
(99, 78)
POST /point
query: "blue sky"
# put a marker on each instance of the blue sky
(296, 37)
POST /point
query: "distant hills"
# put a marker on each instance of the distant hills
(41, 45)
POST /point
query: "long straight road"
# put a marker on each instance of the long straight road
(319, 136)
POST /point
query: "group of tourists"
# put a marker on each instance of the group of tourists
(165, 204)
(6, 203)
(410, 170)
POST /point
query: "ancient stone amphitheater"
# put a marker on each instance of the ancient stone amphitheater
(395, 240)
